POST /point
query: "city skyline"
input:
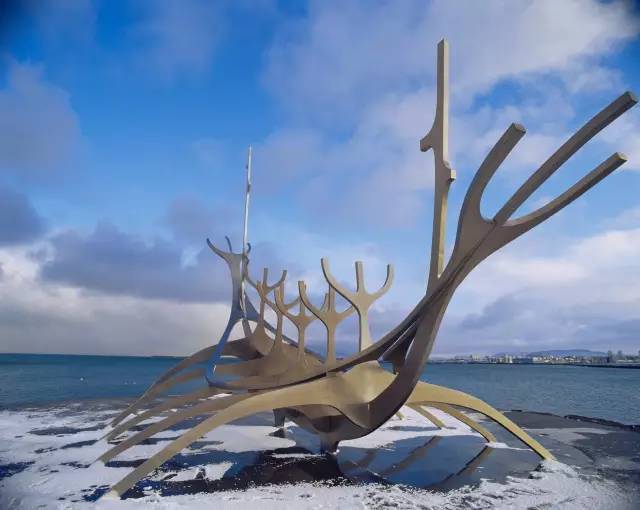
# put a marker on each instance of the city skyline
(581, 357)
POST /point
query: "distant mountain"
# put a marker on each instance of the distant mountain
(555, 352)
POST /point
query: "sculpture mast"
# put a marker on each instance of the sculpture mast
(245, 243)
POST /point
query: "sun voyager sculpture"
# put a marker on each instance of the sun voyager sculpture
(352, 397)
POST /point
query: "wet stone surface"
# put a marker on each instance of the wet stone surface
(603, 447)
(439, 463)
(10, 469)
(252, 453)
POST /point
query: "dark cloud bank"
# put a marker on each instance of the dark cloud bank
(114, 262)
(19, 221)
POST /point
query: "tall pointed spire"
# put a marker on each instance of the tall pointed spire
(438, 140)
(245, 241)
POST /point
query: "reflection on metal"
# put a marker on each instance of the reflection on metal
(351, 397)
(468, 468)
(416, 454)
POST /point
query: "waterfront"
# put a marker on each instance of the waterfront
(586, 391)
(56, 408)
(578, 357)
(559, 389)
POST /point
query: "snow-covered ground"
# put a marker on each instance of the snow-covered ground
(47, 461)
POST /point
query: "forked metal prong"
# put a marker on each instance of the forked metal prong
(361, 300)
(591, 128)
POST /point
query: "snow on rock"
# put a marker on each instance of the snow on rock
(47, 461)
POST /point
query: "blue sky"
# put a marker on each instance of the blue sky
(124, 126)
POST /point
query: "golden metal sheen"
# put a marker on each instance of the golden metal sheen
(340, 399)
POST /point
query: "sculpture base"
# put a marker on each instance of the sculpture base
(251, 460)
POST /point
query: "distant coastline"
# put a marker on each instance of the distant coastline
(159, 356)
(593, 365)
(461, 360)
(46, 379)
(563, 357)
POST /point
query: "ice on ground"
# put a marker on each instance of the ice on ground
(570, 435)
(51, 453)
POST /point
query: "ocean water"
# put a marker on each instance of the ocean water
(607, 393)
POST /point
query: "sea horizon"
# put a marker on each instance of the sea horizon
(28, 379)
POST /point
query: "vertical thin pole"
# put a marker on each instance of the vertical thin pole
(245, 244)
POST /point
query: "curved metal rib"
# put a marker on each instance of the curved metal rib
(208, 406)
(164, 406)
(428, 415)
(252, 405)
(158, 390)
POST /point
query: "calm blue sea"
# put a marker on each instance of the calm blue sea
(608, 393)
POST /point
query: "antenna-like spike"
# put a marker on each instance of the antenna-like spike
(360, 277)
(246, 247)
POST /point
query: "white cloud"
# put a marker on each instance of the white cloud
(358, 79)
(521, 299)
(288, 155)
(582, 292)
(498, 40)
(624, 136)
(586, 296)
(591, 77)
(39, 131)
(343, 55)
(581, 266)
(48, 318)
(629, 218)
(368, 69)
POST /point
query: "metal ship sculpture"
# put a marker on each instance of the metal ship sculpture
(349, 398)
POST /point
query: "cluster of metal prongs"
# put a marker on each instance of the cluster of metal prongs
(351, 397)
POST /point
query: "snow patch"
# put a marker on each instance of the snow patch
(62, 477)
